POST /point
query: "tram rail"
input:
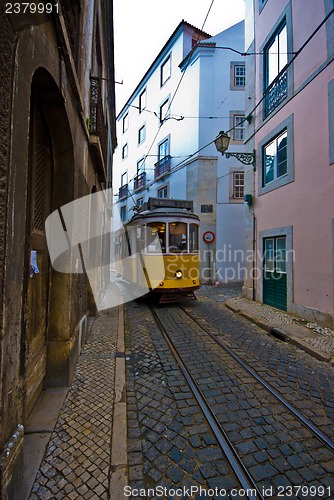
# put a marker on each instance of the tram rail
(245, 478)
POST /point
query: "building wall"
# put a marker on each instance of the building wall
(304, 203)
(48, 159)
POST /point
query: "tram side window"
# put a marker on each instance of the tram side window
(177, 237)
(154, 230)
(193, 238)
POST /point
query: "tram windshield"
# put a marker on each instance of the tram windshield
(156, 229)
(193, 238)
(178, 237)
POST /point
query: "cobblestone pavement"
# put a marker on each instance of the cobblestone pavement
(77, 460)
(316, 339)
(169, 442)
(276, 448)
(308, 383)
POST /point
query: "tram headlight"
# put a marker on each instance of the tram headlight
(178, 274)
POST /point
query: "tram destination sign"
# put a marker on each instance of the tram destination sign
(168, 203)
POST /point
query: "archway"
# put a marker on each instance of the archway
(47, 311)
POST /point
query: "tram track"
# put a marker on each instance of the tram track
(306, 422)
(241, 472)
(236, 460)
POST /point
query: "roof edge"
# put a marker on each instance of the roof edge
(177, 29)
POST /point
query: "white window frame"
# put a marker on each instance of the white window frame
(238, 184)
(165, 70)
(234, 78)
(274, 143)
(141, 131)
(142, 97)
(164, 141)
(125, 151)
(164, 110)
(238, 127)
(280, 53)
(290, 175)
(124, 179)
(163, 189)
(125, 122)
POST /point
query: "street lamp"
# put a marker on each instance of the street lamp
(222, 142)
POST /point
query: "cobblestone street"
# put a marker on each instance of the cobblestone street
(170, 445)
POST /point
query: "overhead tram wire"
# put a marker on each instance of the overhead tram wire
(180, 81)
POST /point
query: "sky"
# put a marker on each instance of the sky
(142, 27)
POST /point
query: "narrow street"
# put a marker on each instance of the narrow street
(172, 451)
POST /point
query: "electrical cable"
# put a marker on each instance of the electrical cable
(180, 81)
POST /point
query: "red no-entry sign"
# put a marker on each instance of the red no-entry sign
(209, 237)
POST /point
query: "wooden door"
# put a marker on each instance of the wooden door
(275, 275)
(36, 305)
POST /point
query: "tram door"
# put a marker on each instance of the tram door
(37, 285)
(275, 276)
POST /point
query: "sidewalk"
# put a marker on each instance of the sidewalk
(85, 440)
(309, 337)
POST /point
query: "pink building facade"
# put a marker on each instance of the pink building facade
(290, 99)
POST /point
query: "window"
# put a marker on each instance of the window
(140, 202)
(193, 238)
(156, 237)
(124, 179)
(163, 192)
(262, 3)
(275, 77)
(123, 213)
(275, 254)
(238, 127)
(163, 149)
(124, 151)
(162, 167)
(164, 110)
(141, 134)
(238, 185)
(125, 123)
(140, 165)
(237, 76)
(276, 158)
(177, 236)
(275, 162)
(142, 100)
(276, 56)
(165, 71)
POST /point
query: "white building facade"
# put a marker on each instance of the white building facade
(193, 89)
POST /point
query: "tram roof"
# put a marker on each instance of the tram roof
(166, 207)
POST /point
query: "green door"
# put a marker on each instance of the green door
(274, 273)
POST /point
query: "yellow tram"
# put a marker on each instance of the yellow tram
(159, 249)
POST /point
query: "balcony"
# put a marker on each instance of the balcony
(276, 93)
(139, 181)
(162, 167)
(123, 192)
(97, 127)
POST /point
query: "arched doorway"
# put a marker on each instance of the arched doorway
(37, 287)
(47, 304)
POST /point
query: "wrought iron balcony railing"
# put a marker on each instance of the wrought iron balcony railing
(123, 191)
(97, 124)
(162, 166)
(276, 93)
(139, 181)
